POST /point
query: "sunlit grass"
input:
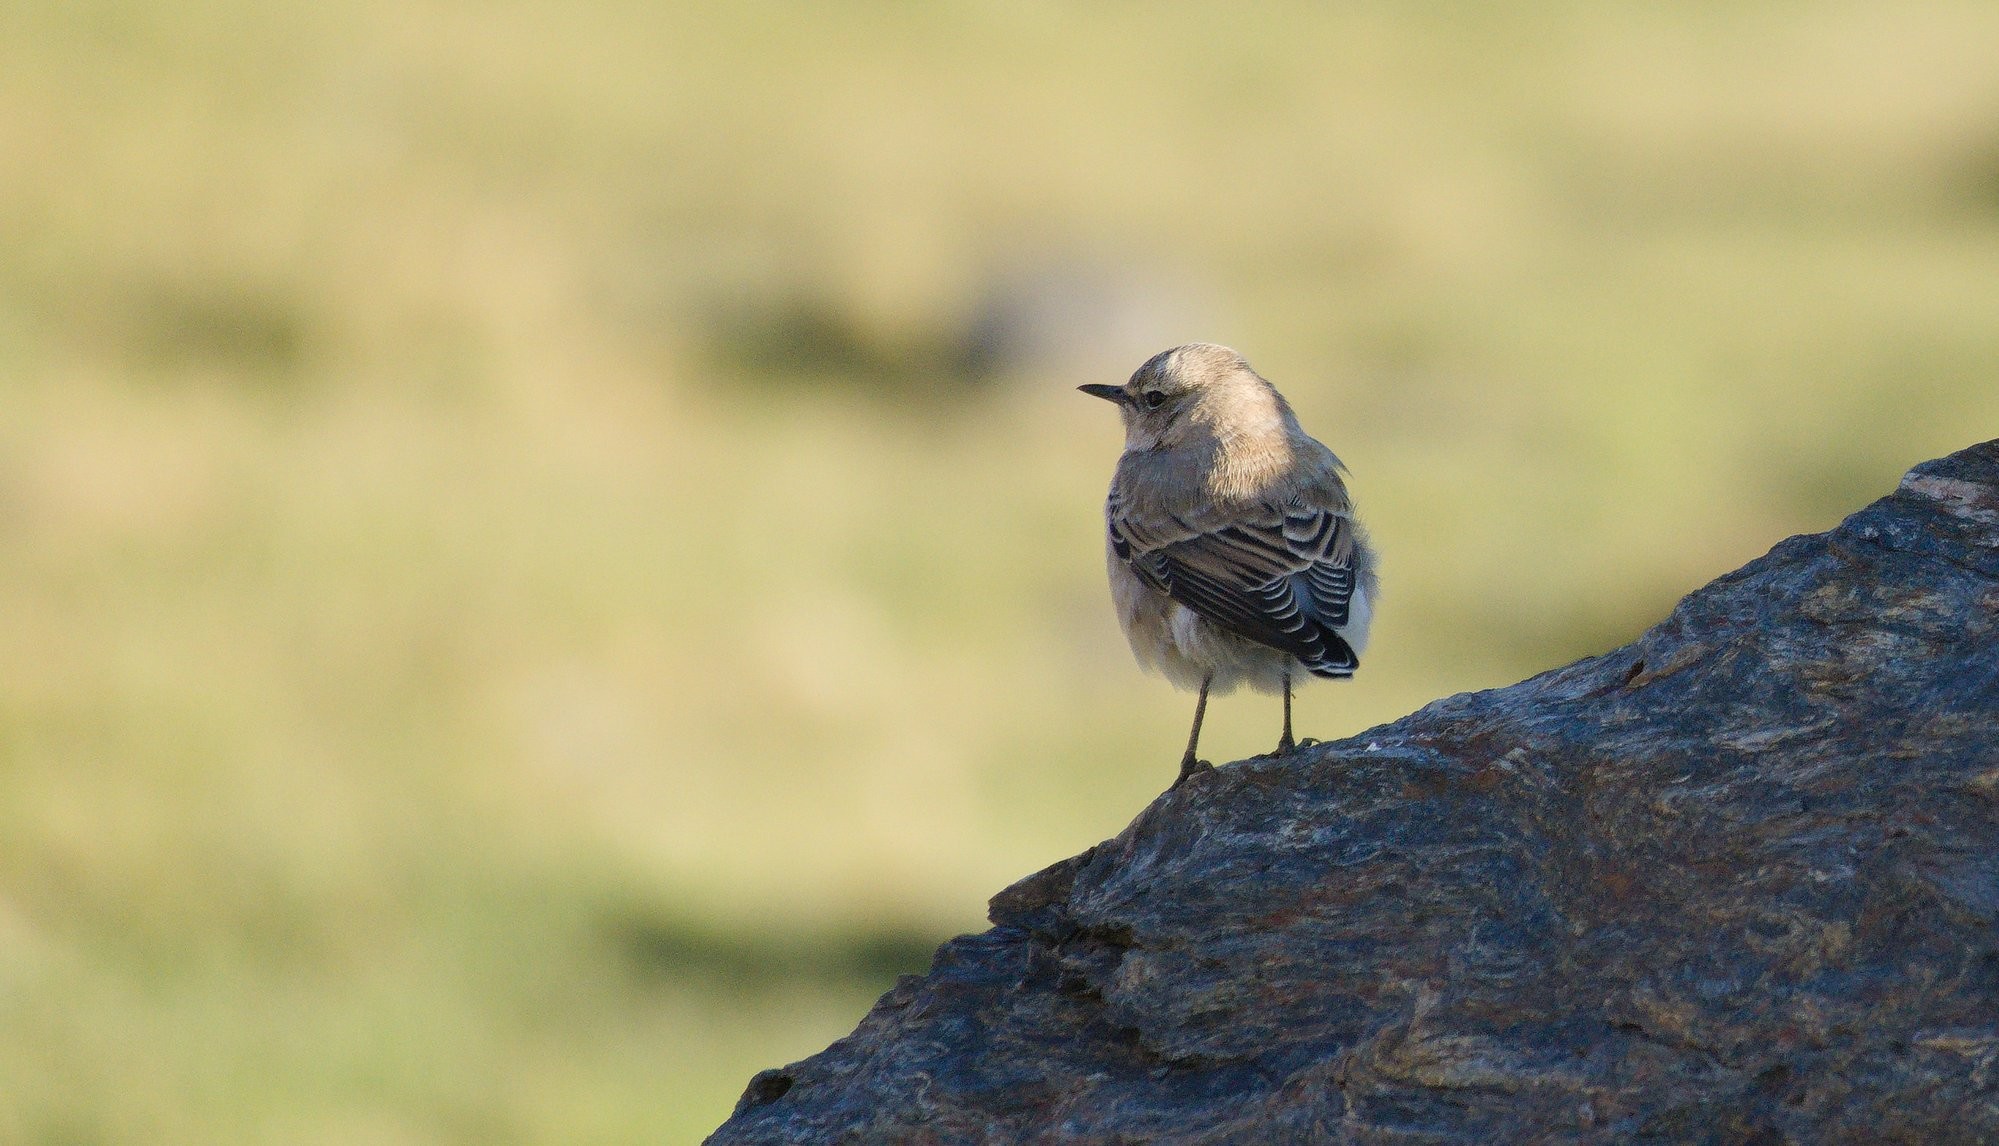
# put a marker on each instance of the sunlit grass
(514, 615)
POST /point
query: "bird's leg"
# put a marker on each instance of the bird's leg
(1285, 744)
(1190, 763)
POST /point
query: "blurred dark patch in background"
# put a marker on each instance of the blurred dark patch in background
(259, 333)
(1977, 176)
(1034, 319)
(670, 949)
(799, 339)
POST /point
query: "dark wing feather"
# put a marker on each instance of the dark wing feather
(1281, 577)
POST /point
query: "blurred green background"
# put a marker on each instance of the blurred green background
(547, 551)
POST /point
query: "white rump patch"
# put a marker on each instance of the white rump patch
(1360, 613)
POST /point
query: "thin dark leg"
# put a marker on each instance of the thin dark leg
(1286, 744)
(1190, 763)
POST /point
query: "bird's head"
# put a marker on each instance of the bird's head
(1200, 389)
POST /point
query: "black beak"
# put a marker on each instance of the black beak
(1107, 393)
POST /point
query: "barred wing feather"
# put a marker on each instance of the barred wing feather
(1281, 577)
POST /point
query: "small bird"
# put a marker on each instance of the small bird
(1233, 550)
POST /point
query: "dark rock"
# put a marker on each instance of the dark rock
(1735, 882)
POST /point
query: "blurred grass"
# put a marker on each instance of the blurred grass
(515, 612)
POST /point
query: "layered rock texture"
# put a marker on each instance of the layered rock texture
(1735, 882)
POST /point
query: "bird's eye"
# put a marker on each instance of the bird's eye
(1153, 399)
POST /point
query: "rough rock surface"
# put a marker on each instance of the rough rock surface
(1735, 882)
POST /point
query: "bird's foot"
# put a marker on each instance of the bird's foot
(1189, 766)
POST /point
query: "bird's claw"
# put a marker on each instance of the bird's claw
(1188, 768)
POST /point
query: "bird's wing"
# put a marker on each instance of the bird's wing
(1281, 575)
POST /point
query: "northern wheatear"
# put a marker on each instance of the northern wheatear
(1234, 554)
